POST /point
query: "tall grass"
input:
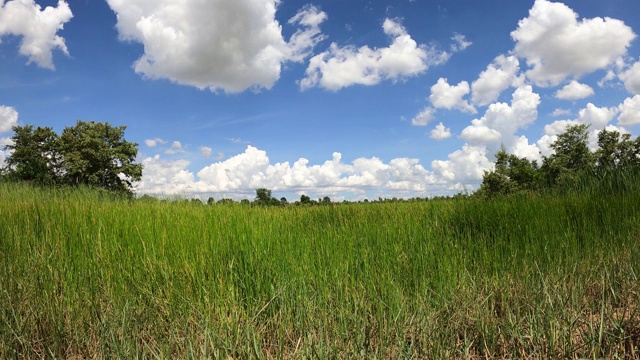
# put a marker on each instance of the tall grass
(86, 275)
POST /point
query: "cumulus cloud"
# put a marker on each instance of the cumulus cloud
(176, 147)
(219, 45)
(561, 112)
(574, 91)
(154, 142)
(460, 43)
(440, 132)
(445, 96)
(206, 151)
(252, 169)
(340, 67)
(4, 153)
(631, 78)
(501, 121)
(424, 117)
(556, 45)
(465, 166)
(596, 118)
(8, 118)
(499, 76)
(38, 28)
(630, 111)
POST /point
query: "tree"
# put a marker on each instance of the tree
(572, 157)
(511, 174)
(97, 154)
(89, 153)
(34, 155)
(263, 196)
(616, 151)
(304, 199)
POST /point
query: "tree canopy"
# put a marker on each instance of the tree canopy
(571, 161)
(89, 153)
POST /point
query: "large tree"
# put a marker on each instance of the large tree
(97, 154)
(89, 153)
(571, 158)
(34, 155)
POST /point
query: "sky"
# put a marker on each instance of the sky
(351, 99)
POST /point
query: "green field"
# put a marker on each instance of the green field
(86, 275)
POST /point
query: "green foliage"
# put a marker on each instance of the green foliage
(90, 153)
(572, 158)
(567, 168)
(95, 154)
(511, 175)
(263, 197)
(35, 156)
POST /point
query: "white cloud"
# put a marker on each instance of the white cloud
(460, 43)
(303, 41)
(499, 75)
(501, 121)
(556, 45)
(561, 112)
(440, 132)
(465, 166)
(176, 147)
(38, 28)
(631, 78)
(445, 96)
(161, 176)
(597, 119)
(8, 118)
(252, 169)
(154, 142)
(206, 151)
(522, 148)
(630, 111)
(4, 153)
(341, 67)
(424, 117)
(574, 91)
(219, 45)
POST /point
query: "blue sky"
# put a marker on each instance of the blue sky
(348, 99)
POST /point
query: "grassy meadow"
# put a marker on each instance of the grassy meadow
(86, 275)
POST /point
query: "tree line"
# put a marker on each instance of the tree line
(571, 163)
(90, 153)
(96, 154)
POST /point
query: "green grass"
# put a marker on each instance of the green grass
(87, 275)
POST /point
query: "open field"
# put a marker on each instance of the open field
(88, 276)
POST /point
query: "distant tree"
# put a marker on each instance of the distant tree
(304, 199)
(326, 200)
(283, 201)
(211, 201)
(34, 155)
(97, 154)
(511, 174)
(147, 198)
(263, 197)
(571, 159)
